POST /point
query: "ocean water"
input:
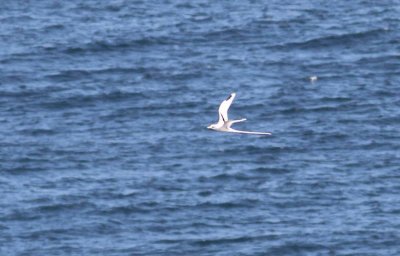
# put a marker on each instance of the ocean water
(103, 142)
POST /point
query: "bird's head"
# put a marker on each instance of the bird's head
(212, 126)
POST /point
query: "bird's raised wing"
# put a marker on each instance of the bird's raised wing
(224, 107)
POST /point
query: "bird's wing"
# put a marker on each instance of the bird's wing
(224, 107)
(247, 132)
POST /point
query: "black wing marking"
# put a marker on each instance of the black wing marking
(222, 118)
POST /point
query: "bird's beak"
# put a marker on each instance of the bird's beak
(209, 127)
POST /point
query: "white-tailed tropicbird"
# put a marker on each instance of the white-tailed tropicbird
(224, 124)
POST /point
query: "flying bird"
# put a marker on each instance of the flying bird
(313, 79)
(224, 124)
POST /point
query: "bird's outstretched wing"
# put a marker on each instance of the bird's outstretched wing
(247, 132)
(224, 107)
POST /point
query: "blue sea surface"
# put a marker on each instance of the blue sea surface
(103, 113)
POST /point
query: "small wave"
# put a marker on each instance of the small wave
(125, 194)
(250, 150)
(240, 239)
(113, 96)
(225, 34)
(98, 7)
(205, 193)
(19, 18)
(236, 176)
(121, 44)
(319, 109)
(271, 170)
(298, 249)
(147, 73)
(201, 17)
(335, 99)
(379, 59)
(20, 215)
(80, 100)
(108, 45)
(42, 234)
(22, 169)
(374, 145)
(53, 27)
(125, 210)
(244, 203)
(333, 40)
(58, 207)
(187, 5)
(38, 131)
(69, 75)
(22, 93)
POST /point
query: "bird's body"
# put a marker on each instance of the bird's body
(313, 79)
(224, 124)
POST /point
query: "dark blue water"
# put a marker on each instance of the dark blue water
(103, 145)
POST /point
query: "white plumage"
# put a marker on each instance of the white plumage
(224, 124)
